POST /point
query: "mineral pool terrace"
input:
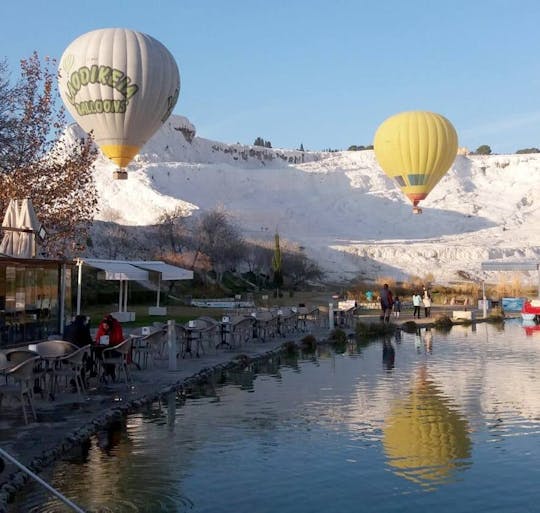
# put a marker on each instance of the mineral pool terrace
(407, 422)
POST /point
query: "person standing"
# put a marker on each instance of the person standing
(387, 302)
(417, 302)
(426, 300)
(397, 307)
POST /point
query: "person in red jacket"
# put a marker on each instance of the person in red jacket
(111, 328)
(109, 333)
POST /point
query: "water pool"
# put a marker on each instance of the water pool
(431, 420)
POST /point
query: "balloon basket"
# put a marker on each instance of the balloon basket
(416, 210)
(120, 174)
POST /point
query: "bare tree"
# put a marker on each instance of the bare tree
(217, 237)
(172, 231)
(38, 162)
(299, 269)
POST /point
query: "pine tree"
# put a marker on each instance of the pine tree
(277, 263)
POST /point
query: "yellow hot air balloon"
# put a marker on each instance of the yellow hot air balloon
(121, 85)
(426, 439)
(416, 149)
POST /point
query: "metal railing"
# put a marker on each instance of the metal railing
(38, 479)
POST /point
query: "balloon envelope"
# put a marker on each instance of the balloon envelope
(425, 438)
(416, 149)
(121, 85)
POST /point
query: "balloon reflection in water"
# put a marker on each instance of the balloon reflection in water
(425, 438)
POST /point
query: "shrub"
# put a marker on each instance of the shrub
(443, 323)
(308, 343)
(290, 347)
(409, 327)
(337, 336)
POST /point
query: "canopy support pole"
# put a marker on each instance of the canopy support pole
(158, 289)
(79, 285)
(120, 296)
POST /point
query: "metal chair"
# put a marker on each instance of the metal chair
(71, 366)
(118, 356)
(150, 347)
(23, 377)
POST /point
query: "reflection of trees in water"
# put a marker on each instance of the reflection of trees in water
(426, 439)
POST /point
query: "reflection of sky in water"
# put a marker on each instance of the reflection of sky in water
(447, 421)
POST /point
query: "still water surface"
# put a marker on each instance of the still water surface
(449, 421)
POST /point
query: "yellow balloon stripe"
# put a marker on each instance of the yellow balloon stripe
(120, 154)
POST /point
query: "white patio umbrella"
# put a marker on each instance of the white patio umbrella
(27, 220)
(10, 240)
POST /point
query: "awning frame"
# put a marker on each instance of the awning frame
(127, 270)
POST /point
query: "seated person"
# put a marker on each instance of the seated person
(78, 333)
(109, 333)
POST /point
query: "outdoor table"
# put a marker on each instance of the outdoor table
(51, 359)
(225, 332)
(193, 336)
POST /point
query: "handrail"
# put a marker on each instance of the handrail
(38, 479)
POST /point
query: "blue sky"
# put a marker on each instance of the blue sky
(322, 73)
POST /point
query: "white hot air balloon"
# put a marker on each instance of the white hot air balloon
(120, 84)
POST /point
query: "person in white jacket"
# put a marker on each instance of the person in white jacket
(426, 300)
(417, 303)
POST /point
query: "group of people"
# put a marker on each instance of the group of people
(109, 333)
(390, 304)
(421, 300)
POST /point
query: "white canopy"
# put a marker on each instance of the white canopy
(131, 270)
(167, 272)
(117, 270)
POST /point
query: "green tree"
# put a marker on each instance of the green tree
(277, 265)
(484, 149)
(528, 150)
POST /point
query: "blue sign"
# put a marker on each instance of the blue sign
(512, 304)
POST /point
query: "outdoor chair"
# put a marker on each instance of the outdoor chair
(51, 351)
(22, 376)
(71, 367)
(149, 348)
(15, 356)
(119, 356)
(242, 330)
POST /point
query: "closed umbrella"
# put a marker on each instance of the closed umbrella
(10, 240)
(27, 220)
